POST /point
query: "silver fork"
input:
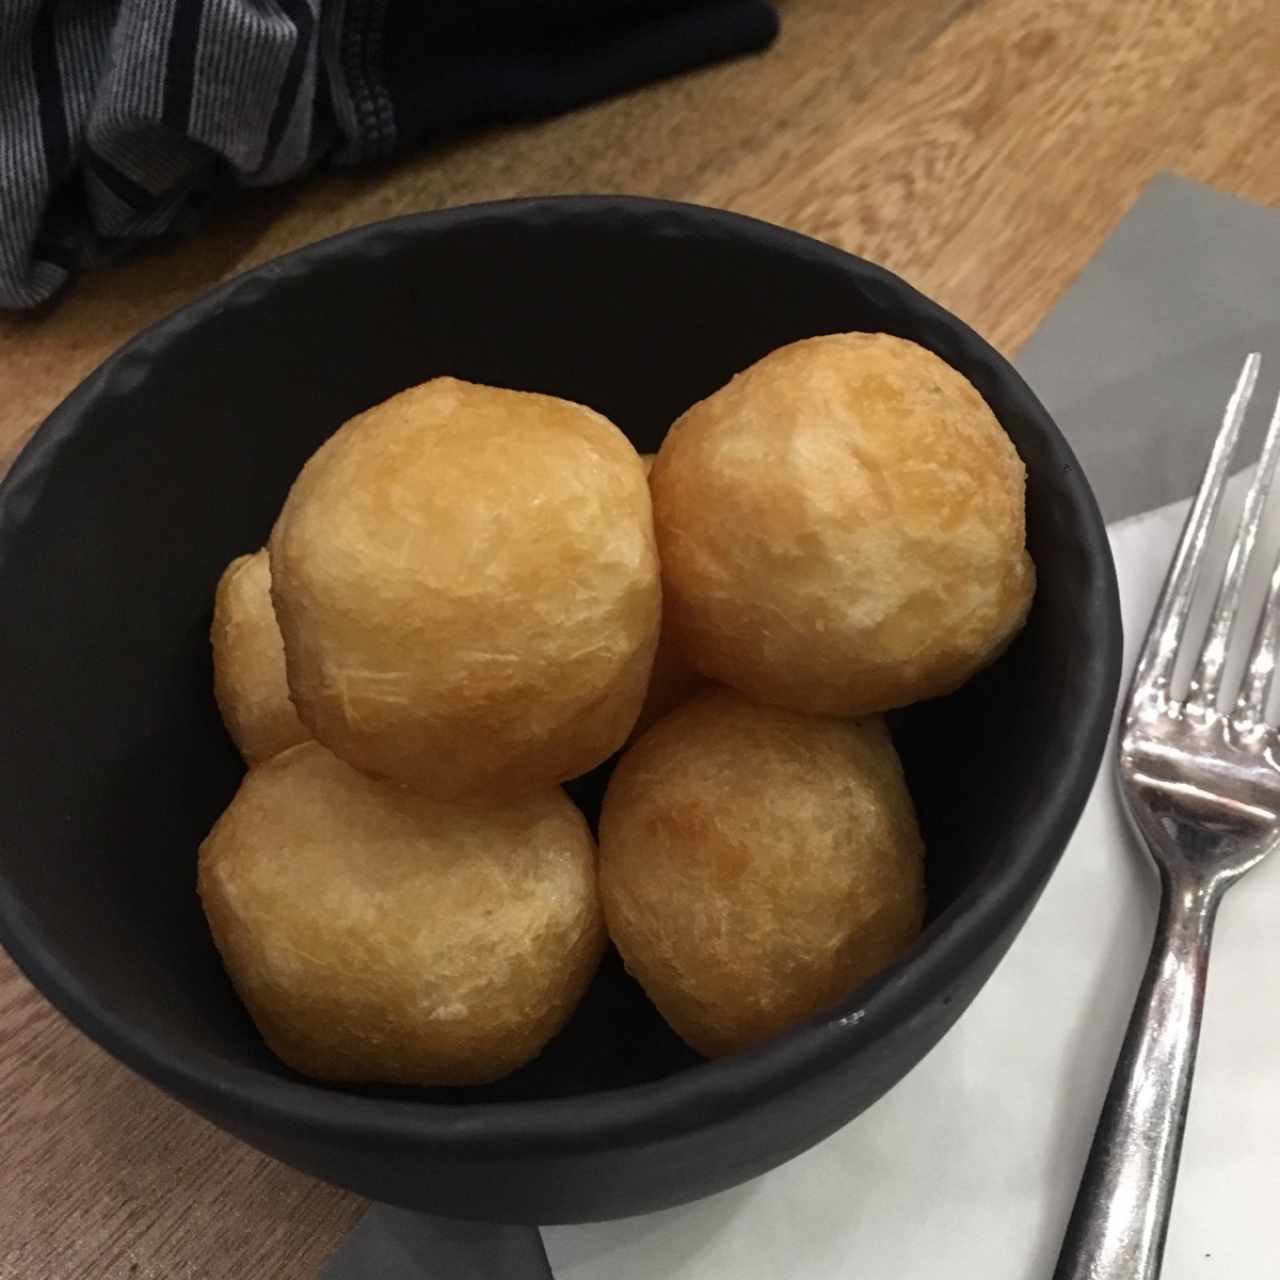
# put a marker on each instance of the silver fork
(1202, 786)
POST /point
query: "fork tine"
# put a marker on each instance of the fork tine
(1202, 695)
(1154, 671)
(1255, 689)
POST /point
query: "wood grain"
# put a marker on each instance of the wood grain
(989, 173)
(983, 150)
(671, 140)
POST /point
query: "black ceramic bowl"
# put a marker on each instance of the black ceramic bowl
(175, 455)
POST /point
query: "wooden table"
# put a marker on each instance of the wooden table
(983, 150)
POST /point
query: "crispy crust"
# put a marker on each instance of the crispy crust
(378, 935)
(248, 663)
(842, 528)
(467, 584)
(757, 864)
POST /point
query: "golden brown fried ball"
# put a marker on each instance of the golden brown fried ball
(672, 680)
(842, 528)
(378, 935)
(756, 865)
(248, 662)
(467, 583)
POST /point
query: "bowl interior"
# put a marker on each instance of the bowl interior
(175, 457)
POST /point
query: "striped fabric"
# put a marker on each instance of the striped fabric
(120, 118)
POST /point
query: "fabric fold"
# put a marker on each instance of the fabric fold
(120, 120)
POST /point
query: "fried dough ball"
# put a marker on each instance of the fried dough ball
(756, 865)
(467, 584)
(375, 934)
(842, 528)
(248, 662)
(672, 680)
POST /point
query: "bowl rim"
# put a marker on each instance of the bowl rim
(705, 1094)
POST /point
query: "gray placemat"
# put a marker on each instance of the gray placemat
(1139, 356)
(1135, 363)
(398, 1244)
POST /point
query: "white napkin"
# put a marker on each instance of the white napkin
(969, 1167)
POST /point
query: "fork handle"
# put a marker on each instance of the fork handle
(1121, 1215)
